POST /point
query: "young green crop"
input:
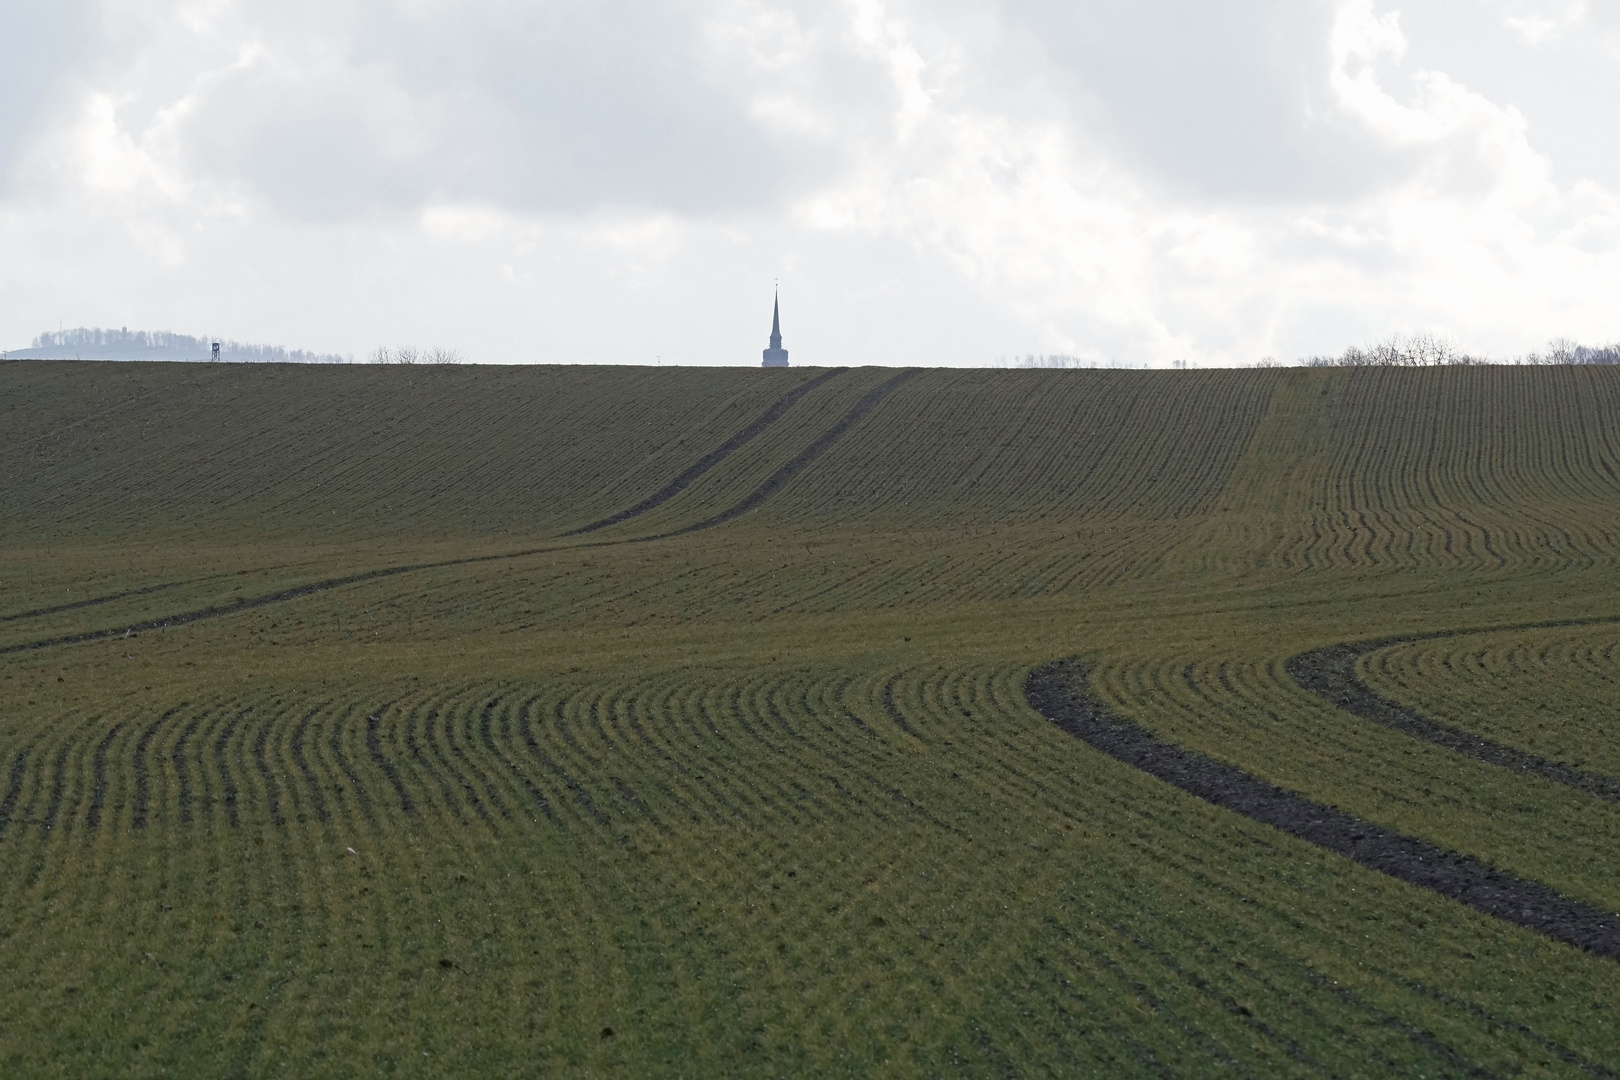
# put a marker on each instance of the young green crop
(1549, 691)
(766, 798)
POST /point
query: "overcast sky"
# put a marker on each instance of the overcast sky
(932, 181)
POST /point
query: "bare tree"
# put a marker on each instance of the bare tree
(1399, 350)
(410, 354)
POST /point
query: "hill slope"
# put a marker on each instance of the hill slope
(325, 747)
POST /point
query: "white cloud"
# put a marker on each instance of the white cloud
(469, 224)
(933, 180)
(1543, 20)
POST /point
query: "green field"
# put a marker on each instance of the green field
(766, 798)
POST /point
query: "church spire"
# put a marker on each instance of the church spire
(776, 356)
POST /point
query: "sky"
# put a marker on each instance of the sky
(939, 182)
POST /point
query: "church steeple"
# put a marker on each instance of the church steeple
(776, 356)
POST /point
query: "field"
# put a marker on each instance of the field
(462, 721)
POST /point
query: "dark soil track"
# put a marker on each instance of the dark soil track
(1058, 692)
(91, 602)
(803, 458)
(251, 603)
(715, 456)
(1330, 674)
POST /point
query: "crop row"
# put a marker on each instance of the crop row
(238, 603)
(92, 453)
(721, 496)
(714, 457)
(953, 448)
(1331, 674)
(1367, 469)
(457, 758)
(721, 572)
(1551, 691)
(733, 569)
(1496, 436)
(1059, 692)
(1097, 477)
(917, 837)
(1253, 715)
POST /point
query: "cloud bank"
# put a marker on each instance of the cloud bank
(931, 182)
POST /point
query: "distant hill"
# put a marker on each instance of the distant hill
(93, 343)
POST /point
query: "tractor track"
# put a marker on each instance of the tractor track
(1330, 673)
(802, 459)
(1058, 692)
(98, 600)
(715, 456)
(774, 483)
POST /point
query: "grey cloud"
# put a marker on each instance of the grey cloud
(558, 109)
(562, 108)
(1562, 84)
(1226, 101)
(33, 35)
(1143, 178)
(327, 146)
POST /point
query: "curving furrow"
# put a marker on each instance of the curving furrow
(446, 759)
(1057, 692)
(1147, 963)
(817, 828)
(1331, 674)
(299, 750)
(501, 746)
(658, 723)
(1548, 693)
(1253, 715)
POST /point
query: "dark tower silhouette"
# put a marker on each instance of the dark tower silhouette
(776, 356)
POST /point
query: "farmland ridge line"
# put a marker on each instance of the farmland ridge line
(1057, 691)
(714, 457)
